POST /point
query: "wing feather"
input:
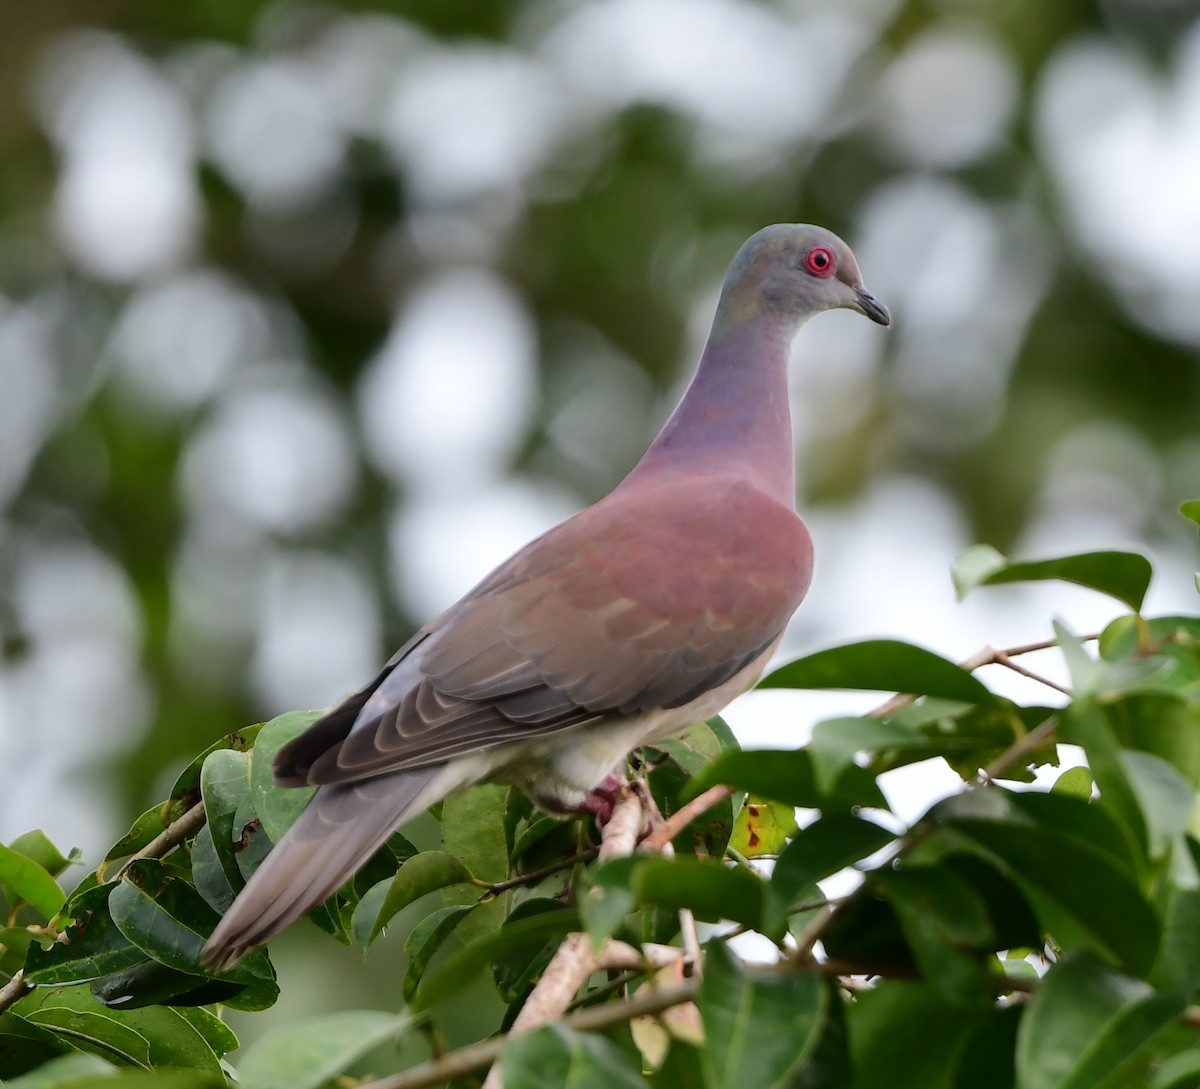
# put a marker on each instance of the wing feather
(647, 599)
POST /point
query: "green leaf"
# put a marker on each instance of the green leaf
(1086, 1022)
(419, 876)
(904, 1035)
(822, 849)
(762, 827)
(425, 939)
(24, 881)
(311, 1052)
(759, 1029)
(1065, 856)
(1180, 1071)
(947, 927)
(1190, 509)
(66, 1070)
(91, 947)
(787, 776)
(473, 832)
(516, 968)
(554, 1057)
(168, 920)
(36, 845)
(277, 807)
(1178, 965)
(609, 899)
(153, 1037)
(80, 1070)
(1166, 798)
(883, 665)
(835, 741)
(25, 1046)
(1077, 782)
(710, 889)
(464, 966)
(225, 787)
(1123, 575)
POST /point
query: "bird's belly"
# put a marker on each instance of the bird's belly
(559, 771)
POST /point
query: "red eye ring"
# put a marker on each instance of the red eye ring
(819, 261)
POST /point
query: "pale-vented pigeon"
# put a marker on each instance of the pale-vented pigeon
(630, 621)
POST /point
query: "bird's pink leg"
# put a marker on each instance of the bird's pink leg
(602, 799)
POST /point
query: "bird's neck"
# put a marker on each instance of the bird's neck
(735, 416)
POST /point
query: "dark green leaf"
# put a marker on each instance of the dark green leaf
(554, 1057)
(225, 787)
(1178, 965)
(152, 1037)
(313, 1051)
(425, 939)
(759, 1029)
(906, 1036)
(947, 927)
(419, 876)
(822, 849)
(787, 776)
(1078, 888)
(91, 947)
(516, 968)
(167, 919)
(66, 1070)
(710, 889)
(1123, 575)
(24, 1045)
(149, 983)
(462, 967)
(883, 665)
(1086, 1022)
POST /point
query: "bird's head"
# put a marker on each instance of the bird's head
(792, 271)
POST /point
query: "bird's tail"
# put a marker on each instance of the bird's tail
(342, 827)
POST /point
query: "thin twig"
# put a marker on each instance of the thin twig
(1005, 659)
(649, 1001)
(171, 836)
(16, 988)
(534, 876)
(986, 656)
(683, 816)
(687, 920)
(1018, 750)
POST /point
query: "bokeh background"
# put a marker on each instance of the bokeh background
(310, 313)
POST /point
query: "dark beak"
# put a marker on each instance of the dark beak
(872, 307)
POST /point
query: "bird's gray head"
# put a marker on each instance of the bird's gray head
(791, 271)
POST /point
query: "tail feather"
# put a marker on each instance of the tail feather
(342, 827)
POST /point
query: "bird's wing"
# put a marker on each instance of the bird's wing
(646, 600)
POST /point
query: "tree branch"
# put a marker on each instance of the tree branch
(682, 817)
(170, 837)
(575, 959)
(15, 989)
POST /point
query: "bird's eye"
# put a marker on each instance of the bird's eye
(819, 261)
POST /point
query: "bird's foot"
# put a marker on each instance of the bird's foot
(602, 799)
